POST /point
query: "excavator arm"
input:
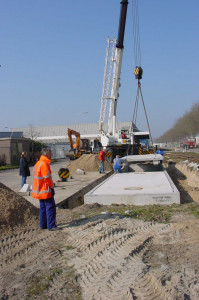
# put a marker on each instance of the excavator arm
(74, 147)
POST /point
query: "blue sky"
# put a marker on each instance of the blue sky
(52, 56)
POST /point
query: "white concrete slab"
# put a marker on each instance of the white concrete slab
(140, 158)
(142, 188)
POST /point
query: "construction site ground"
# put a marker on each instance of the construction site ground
(102, 252)
(66, 193)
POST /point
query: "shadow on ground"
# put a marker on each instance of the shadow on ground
(178, 178)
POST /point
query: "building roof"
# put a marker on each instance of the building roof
(11, 134)
(59, 133)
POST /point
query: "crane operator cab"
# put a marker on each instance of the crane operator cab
(137, 138)
(123, 136)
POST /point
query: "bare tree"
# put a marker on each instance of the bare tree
(32, 133)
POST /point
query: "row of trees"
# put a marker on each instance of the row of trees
(185, 126)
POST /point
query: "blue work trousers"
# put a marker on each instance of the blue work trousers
(117, 167)
(101, 168)
(47, 213)
(23, 180)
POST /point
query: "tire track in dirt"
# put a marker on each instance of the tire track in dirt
(148, 287)
(26, 255)
(14, 241)
(12, 251)
(107, 255)
(109, 260)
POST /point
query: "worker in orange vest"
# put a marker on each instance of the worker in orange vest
(101, 159)
(43, 190)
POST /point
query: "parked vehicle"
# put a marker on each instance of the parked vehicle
(189, 143)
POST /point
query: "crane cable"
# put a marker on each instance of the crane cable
(138, 70)
(139, 87)
(136, 33)
(135, 109)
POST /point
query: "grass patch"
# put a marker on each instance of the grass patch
(58, 271)
(194, 209)
(69, 247)
(8, 167)
(2, 168)
(155, 213)
(39, 284)
(151, 213)
(147, 213)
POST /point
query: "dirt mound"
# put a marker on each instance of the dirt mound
(88, 163)
(192, 175)
(15, 210)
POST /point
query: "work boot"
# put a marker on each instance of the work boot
(55, 229)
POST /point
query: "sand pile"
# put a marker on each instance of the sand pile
(88, 163)
(15, 210)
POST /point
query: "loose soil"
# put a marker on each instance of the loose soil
(88, 163)
(102, 252)
(15, 211)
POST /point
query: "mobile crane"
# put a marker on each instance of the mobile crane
(114, 63)
(110, 139)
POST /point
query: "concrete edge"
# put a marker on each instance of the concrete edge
(174, 188)
(72, 201)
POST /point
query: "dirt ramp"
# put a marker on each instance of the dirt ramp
(88, 163)
(15, 210)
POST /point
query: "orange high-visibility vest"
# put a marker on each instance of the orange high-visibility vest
(42, 182)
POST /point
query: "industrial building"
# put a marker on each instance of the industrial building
(56, 137)
(58, 133)
(11, 146)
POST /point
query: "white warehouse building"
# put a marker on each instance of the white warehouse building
(59, 133)
(56, 137)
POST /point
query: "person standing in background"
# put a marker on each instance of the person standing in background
(24, 170)
(101, 159)
(160, 151)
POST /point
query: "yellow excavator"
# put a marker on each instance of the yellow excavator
(76, 148)
(82, 146)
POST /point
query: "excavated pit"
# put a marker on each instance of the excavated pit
(145, 182)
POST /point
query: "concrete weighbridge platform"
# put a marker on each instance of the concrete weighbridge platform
(145, 182)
